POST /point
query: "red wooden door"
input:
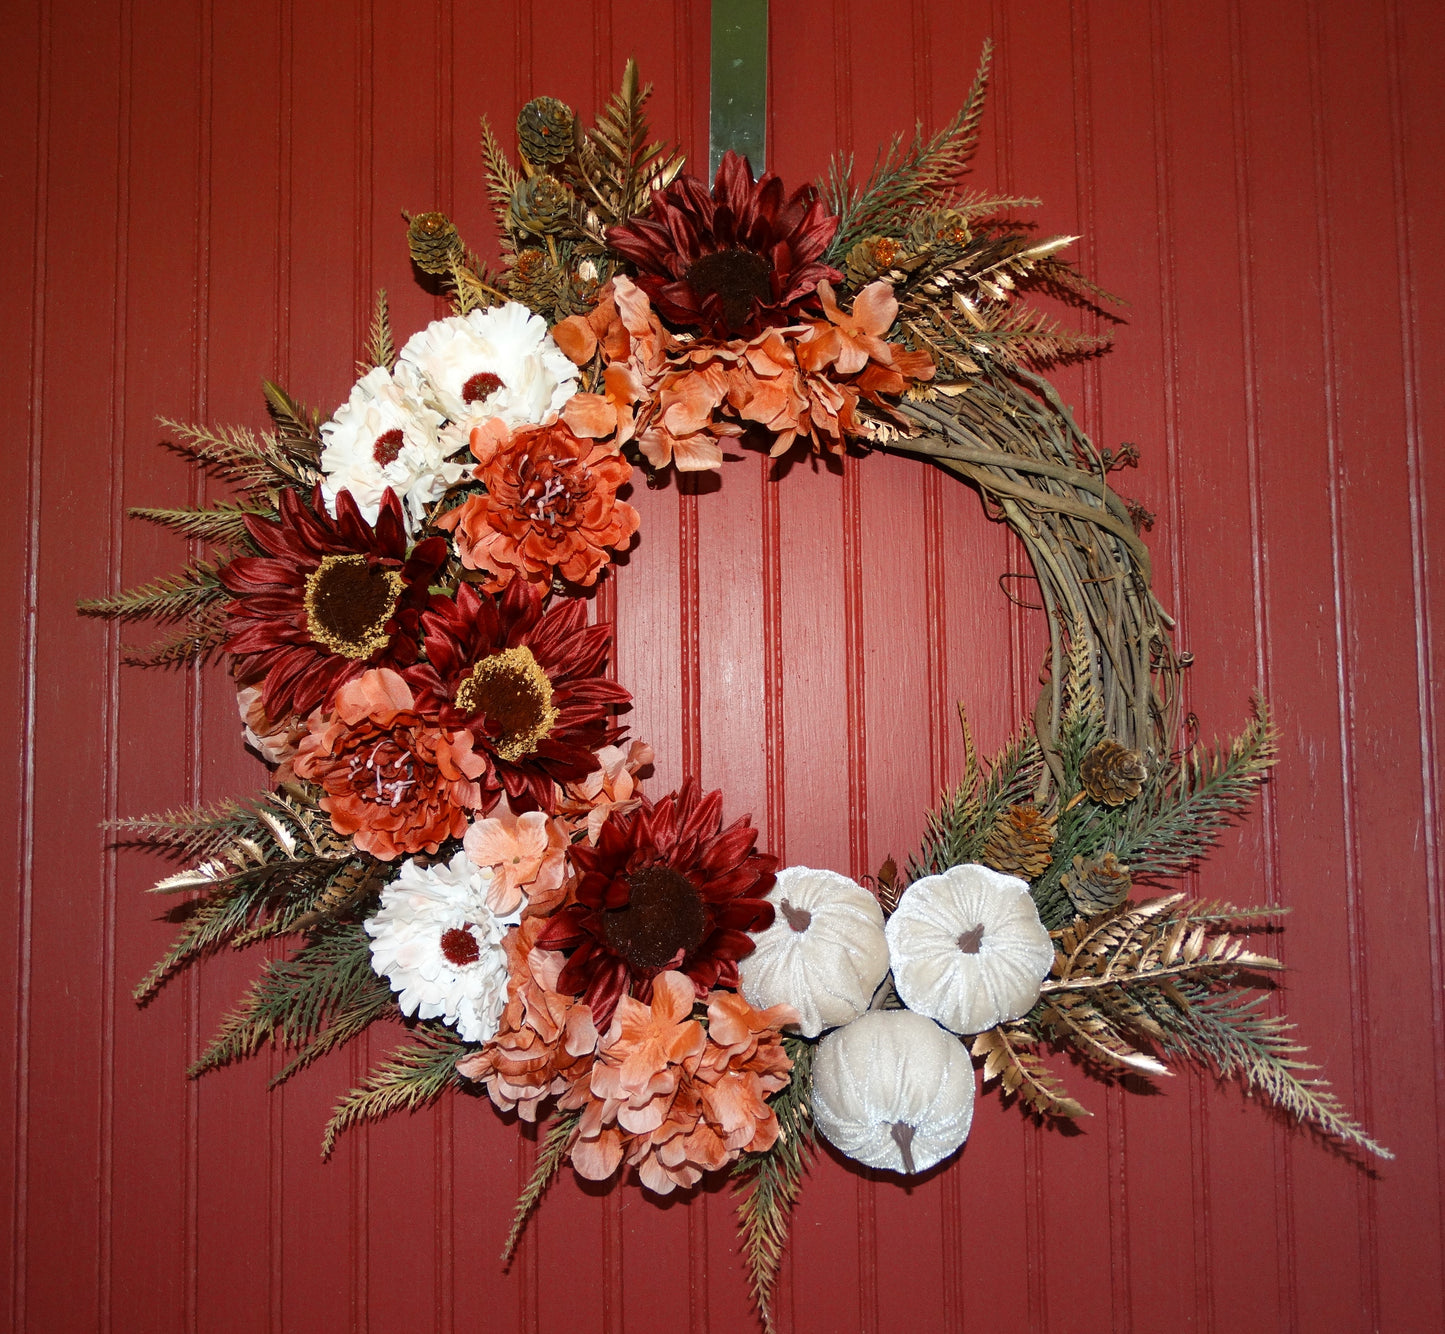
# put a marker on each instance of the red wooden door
(198, 195)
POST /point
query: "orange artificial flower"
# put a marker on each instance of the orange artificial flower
(527, 855)
(545, 1041)
(394, 782)
(610, 790)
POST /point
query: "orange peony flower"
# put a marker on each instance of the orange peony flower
(527, 855)
(545, 1041)
(394, 783)
(274, 742)
(551, 504)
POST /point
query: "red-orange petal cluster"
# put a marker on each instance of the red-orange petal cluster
(805, 381)
(551, 502)
(675, 1099)
(394, 782)
(545, 1041)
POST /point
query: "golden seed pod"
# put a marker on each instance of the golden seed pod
(433, 241)
(541, 206)
(1112, 774)
(546, 131)
(1096, 886)
(1021, 842)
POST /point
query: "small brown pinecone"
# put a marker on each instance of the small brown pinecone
(535, 281)
(940, 226)
(542, 206)
(433, 240)
(1112, 774)
(1097, 886)
(545, 131)
(1021, 842)
(870, 258)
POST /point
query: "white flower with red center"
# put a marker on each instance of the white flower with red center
(385, 436)
(440, 947)
(499, 362)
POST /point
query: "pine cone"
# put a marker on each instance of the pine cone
(433, 240)
(871, 257)
(940, 226)
(535, 281)
(1021, 842)
(1112, 774)
(545, 132)
(1097, 886)
(542, 206)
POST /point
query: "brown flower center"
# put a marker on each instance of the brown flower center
(460, 947)
(515, 695)
(388, 446)
(664, 917)
(738, 277)
(348, 603)
(480, 386)
(971, 940)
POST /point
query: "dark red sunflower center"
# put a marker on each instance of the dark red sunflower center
(664, 917)
(514, 694)
(971, 941)
(388, 446)
(348, 604)
(460, 947)
(738, 278)
(482, 384)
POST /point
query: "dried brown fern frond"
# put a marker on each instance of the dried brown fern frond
(1023, 1074)
(618, 167)
(380, 350)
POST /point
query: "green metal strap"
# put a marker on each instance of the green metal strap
(739, 117)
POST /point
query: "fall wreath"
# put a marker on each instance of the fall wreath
(456, 833)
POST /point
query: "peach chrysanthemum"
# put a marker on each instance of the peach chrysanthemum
(675, 1100)
(545, 1041)
(394, 782)
(527, 855)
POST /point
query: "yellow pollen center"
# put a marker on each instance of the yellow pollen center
(515, 695)
(348, 603)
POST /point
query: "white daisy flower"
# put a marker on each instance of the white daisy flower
(438, 944)
(385, 436)
(499, 362)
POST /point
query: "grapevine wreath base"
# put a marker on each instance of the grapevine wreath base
(456, 835)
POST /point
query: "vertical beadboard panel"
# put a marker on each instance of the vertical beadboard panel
(200, 197)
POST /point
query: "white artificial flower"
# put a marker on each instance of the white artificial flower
(438, 944)
(499, 362)
(385, 436)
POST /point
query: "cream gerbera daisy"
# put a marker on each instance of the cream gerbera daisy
(385, 436)
(439, 945)
(499, 362)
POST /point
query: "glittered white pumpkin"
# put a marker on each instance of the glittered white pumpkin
(893, 1090)
(824, 954)
(968, 948)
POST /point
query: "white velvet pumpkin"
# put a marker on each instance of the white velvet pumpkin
(893, 1090)
(824, 954)
(968, 948)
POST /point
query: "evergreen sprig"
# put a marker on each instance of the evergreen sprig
(380, 352)
(1230, 1031)
(316, 1001)
(906, 176)
(172, 597)
(410, 1078)
(766, 1185)
(556, 1144)
(222, 523)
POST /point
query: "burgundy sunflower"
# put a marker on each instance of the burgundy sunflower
(665, 889)
(329, 599)
(734, 262)
(527, 684)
